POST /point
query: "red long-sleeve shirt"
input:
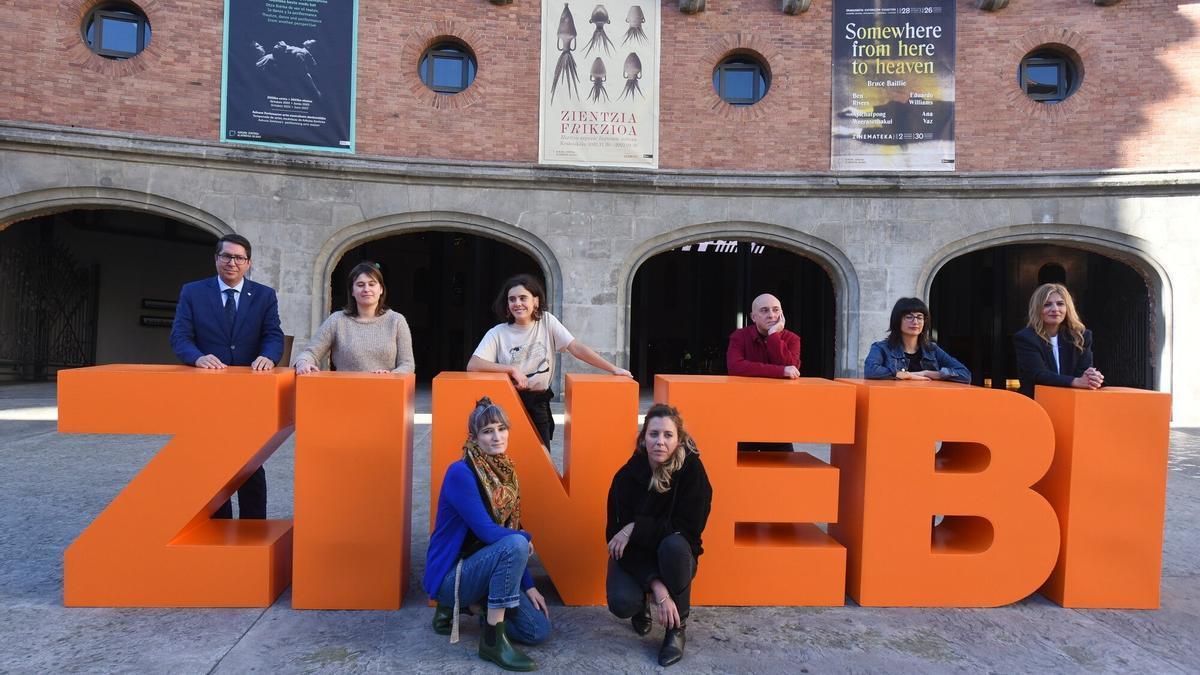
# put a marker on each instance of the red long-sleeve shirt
(751, 354)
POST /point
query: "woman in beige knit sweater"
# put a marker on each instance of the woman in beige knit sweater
(366, 335)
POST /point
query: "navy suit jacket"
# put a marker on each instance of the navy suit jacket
(1035, 360)
(200, 327)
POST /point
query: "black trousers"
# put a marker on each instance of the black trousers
(537, 404)
(676, 569)
(252, 499)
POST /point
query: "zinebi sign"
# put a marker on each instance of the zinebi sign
(1063, 496)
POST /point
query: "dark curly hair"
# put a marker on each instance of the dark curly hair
(531, 284)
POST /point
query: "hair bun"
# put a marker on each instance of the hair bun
(483, 402)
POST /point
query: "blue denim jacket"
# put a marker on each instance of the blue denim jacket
(883, 362)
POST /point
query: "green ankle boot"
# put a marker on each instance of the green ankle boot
(495, 647)
(443, 619)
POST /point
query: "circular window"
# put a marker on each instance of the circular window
(116, 30)
(741, 79)
(1048, 75)
(447, 67)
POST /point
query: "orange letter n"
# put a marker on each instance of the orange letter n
(565, 514)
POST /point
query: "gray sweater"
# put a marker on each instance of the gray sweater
(362, 343)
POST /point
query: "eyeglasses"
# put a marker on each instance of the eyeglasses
(915, 318)
(237, 259)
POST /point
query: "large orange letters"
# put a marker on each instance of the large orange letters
(999, 538)
(353, 490)
(1108, 485)
(155, 545)
(760, 546)
(564, 514)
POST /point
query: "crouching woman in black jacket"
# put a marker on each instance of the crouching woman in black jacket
(657, 508)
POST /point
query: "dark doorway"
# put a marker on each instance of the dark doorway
(980, 299)
(444, 284)
(93, 286)
(688, 300)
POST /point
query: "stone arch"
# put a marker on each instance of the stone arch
(27, 205)
(828, 256)
(1130, 250)
(345, 239)
(103, 317)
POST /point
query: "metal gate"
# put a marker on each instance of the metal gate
(48, 305)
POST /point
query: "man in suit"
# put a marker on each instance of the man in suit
(229, 320)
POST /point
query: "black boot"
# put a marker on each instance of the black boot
(443, 619)
(641, 621)
(672, 647)
(495, 647)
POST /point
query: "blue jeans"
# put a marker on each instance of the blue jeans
(494, 573)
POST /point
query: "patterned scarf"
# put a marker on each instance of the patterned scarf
(498, 477)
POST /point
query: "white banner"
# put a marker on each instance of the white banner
(599, 93)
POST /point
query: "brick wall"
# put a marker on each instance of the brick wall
(1135, 108)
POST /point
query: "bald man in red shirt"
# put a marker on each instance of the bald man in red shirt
(765, 348)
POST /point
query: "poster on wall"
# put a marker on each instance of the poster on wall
(288, 73)
(599, 83)
(893, 85)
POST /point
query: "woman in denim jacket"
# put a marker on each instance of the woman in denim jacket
(908, 353)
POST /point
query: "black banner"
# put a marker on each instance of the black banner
(893, 85)
(289, 73)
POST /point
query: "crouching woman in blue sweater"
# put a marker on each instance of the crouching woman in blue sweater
(478, 552)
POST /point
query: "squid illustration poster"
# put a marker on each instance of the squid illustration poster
(893, 85)
(599, 83)
(288, 75)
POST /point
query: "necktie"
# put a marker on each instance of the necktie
(230, 307)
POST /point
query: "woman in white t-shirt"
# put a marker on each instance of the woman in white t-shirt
(1055, 348)
(523, 347)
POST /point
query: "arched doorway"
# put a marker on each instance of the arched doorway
(980, 299)
(93, 286)
(443, 282)
(686, 301)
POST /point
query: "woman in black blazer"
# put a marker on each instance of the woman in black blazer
(1055, 349)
